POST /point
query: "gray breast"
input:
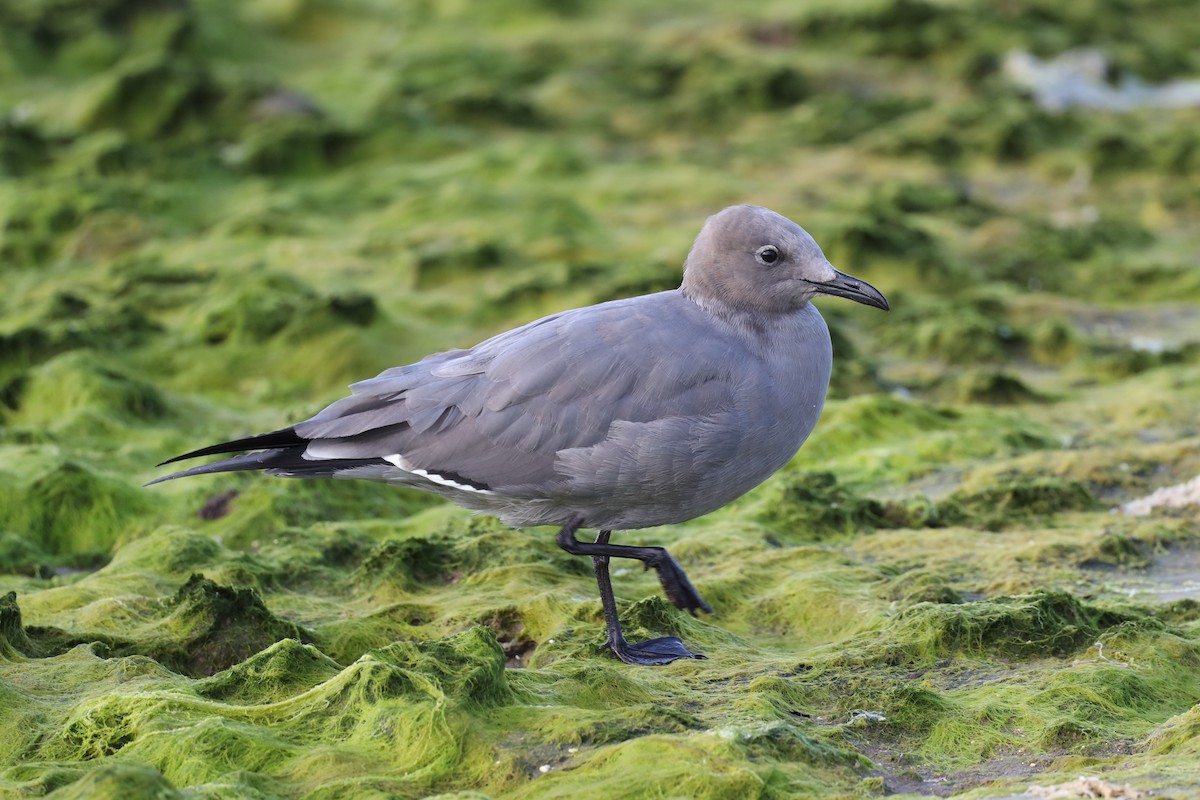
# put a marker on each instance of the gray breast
(677, 467)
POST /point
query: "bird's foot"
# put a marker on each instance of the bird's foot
(676, 586)
(652, 652)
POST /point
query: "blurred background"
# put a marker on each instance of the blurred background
(214, 215)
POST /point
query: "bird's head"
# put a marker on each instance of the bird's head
(750, 259)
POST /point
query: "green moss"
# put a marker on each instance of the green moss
(1180, 735)
(957, 335)
(19, 556)
(41, 778)
(1022, 627)
(1036, 255)
(1116, 550)
(168, 551)
(114, 781)
(915, 708)
(993, 503)
(218, 627)
(810, 506)
(877, 418)
(264, 509)
(23, 148)
(151, 97)
(917, 511)
(258, 308)
(701, 769)
(853, 372)
(296, 143)
(908, 29)
(66, 321)
(1165, 280)
(1113, 362)
(63, 387)
(923, 586)
(65, 508)
(284, 669)
(883, 440)
(403, 564)
(880, 230)
(1053, 341)
(13, 641)
(1117, 149)
(468, 666)
(214, 216)
(993, 388)
(835, 117)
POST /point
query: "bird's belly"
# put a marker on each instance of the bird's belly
(678, 469)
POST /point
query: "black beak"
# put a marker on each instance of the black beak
(852, 289)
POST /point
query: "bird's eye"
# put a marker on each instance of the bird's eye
(767, 254)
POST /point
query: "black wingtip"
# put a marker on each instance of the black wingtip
(284, 462)
(284, 437)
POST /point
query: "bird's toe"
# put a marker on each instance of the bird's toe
(679, 588)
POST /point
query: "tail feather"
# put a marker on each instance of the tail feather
(282, 438)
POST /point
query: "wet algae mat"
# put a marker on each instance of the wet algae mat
(215, 215)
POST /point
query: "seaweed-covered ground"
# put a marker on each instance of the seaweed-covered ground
(216, 214)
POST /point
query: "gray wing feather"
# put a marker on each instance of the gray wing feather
(503, 413)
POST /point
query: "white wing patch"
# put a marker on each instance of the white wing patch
(404, 464)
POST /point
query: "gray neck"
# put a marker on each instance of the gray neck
(755, 323)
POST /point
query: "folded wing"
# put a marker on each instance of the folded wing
(497, 416)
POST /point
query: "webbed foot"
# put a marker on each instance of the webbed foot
(652, 652)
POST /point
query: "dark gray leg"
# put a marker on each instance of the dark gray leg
(674, 580)
(662, 650)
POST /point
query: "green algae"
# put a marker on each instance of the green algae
(282, 670)
(221, 626)
(993, 387)
(122, 780)
(808, 506)
(1015, 498)
(56, 392)
(64, 507)
(213, 217)
(1046, 623)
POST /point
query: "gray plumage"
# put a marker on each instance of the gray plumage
(631, 414)
(627, 414)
